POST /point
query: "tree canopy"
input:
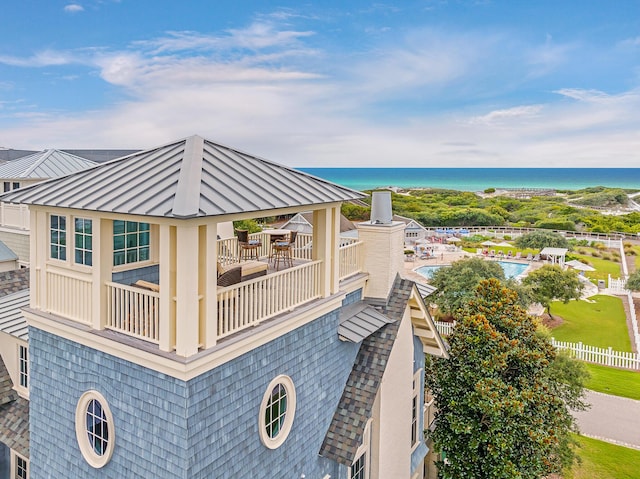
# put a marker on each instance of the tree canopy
(552, 283)
(541, 239)
(503, 396)
(457, 284)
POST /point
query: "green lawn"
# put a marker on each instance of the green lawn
(603, 267)
(602, 460)
(598, 322)
(618, 382)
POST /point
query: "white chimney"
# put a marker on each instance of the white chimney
(381, 213)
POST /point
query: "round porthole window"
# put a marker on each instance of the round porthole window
(94, 428)
(277, 410)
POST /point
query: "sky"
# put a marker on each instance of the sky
(416, 83)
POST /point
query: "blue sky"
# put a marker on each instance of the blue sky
(429, 83)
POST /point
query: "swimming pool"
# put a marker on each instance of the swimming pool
(511, 270)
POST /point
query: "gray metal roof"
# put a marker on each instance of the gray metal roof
(11, 319)
(358, 321)
(6, 253)
(425, 289)
(44, 164)
(193, 177)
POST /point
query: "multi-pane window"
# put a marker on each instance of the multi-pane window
(21, 470)
(130, 242)
(276, 410)
(7, 186)
(97, 427)
(83, 241)
(23, 364)
(16, 185)
(58, 240)
(359, 467)
(414, 420)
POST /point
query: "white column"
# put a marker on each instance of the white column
(324, 240)
(211, 288)
(102, 249)
(167, 274)
(38, 252)
(187, 307)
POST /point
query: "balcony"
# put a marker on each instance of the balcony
(140, 313)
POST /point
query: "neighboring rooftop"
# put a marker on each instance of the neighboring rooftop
(101, 156)
(192, 177)
(8, 154)
(14, 281)
(44, 165)
(6, 253)
(12, 321)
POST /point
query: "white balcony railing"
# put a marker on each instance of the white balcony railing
(133, 311)
(249, 303)
(14, 216)
(350, 258)
(68, 296)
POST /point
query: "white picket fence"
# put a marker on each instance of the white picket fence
(603, 356)
(583, 352)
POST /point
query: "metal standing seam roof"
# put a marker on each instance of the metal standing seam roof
(44, 164)
(6, 253)
(359, 320)
(193, 177)
(12, 320)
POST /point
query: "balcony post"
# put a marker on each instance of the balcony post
(167, 261)
(102, 248)
(326, 227)
(187, 291)
(211, 294)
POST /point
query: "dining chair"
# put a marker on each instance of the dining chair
(247, 246)
(282, 250)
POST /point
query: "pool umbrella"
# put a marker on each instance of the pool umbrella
(579, 265)
(453, 239)
(504, 243)
(489, 243)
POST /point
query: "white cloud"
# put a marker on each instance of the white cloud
(509, 114)
(73, 8)
(40, 59)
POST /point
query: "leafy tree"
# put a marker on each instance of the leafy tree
(552, 283)
(541, 239)
(633, 282)
(503, 396)
(457, 284)
(251, 225)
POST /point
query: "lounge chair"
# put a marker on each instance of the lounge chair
(509, 254)
(492, 253)
(529, 257)
(518, 255)
(536, 257)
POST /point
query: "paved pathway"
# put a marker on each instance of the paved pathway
(612, 419)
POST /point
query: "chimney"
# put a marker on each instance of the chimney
(383, 244)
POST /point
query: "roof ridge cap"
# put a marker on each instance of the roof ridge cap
(46, 154)
(186, 203)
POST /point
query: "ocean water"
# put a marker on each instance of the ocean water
(478, 179)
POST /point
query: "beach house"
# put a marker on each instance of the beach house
(141, 362)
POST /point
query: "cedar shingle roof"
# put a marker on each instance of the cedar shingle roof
(14, 415)
(354, 408)
(7, 393)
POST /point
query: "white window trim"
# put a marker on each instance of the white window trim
(417, 383)
(73, 258)
(19, 387)
(49, 243)
(88, 453)
(275, 442)
(14, 464)
(364, 448)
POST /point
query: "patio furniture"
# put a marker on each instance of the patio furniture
(248, 270)
(247, 245)
(282, 251)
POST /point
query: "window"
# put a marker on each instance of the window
(130, 242)
(94, 428)
(277, 411)
(23, 364)
(20, 467)
(58, 230)
(16, 185)
(415, 409)
(7, 186)
(358, 468)
(83, 241)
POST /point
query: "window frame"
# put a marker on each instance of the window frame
(83, 250)
(61, 247)
(19, 463)
(86, 446)
(23, 366)
(273, 442)
(415, 409)
(363, 453)
(125, 250)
